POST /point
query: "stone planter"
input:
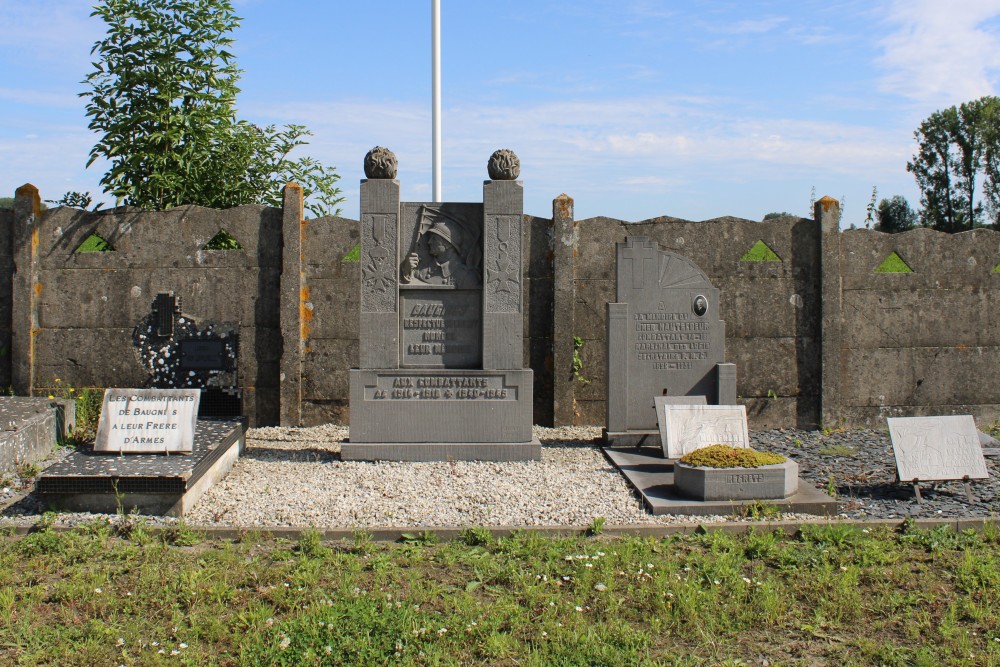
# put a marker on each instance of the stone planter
(771, 482)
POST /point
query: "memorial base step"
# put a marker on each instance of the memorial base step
(653, 477)
(151, 483)
(441, 451)
(632, 438)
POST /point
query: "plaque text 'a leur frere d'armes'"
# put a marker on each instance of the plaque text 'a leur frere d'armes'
(147, 421)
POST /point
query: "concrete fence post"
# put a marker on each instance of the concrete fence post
(26, 289)
(827, 215)
(293, 308)
(564, 248)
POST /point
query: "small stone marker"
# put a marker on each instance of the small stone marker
(936, 448)
(685, 428)
(147, 421)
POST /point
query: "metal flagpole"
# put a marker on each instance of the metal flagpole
(436, 94)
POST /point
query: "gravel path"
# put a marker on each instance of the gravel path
(294, 477)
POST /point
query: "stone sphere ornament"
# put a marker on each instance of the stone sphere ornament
(504, 165)
(380, 163)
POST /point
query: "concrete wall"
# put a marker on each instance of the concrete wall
(817, 337)
(771, 310)
(6, 296)
(75, 313)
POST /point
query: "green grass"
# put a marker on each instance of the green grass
(354, 256)
(94, 243)
(760, 252)
(837, 450)
(893, 263)
(832, 595)
(223, 240)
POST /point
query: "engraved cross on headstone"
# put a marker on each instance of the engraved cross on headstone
(646, 252)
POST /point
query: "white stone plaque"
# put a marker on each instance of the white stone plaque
(685, 428)
(936, 448)
(147, 421)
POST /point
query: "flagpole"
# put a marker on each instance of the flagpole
(436, 95)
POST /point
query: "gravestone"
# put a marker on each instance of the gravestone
(936, 448)
(664, 338)
(179, 352)
(147, 421)
(441, 325)
(685, 428)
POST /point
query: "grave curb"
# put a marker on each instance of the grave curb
(444, 534)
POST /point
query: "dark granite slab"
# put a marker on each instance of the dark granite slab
(653, 477)
(88, 472)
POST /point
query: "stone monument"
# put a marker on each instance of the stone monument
(665, 339)
(441, 372)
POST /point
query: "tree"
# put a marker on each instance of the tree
(774, 215)
(895, 215)
(957, 147)
(162, 97)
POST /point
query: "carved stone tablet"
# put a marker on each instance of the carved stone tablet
(147, 421)
(936, 448)
(662, 401)
(440, 328)
(685, 428)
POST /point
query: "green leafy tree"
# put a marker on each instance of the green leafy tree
(162, 98)
(895, 215)
(774, 215)
(6, 202)
(958, 161)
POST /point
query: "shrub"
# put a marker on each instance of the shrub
(725, 456)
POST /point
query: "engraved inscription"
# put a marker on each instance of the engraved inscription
(378, 263)
(689, 427)
(936, 448)
(440, 388)
(671, 341)
(503, 264)
(749, 478)
(440, 328)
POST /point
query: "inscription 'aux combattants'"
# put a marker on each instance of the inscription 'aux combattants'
(441, 388)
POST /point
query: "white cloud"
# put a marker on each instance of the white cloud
(941, 53)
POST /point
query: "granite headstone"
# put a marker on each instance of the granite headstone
(664, 338)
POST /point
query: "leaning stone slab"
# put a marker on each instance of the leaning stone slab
(936, 448)
(31, 427)
(147, 421)
(152, 483)
(769, 482)
(685, 428)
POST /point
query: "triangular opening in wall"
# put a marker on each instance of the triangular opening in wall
(94, 243)
(893, 263)
(760, 252)
(223, 241)
(996, 269)
(354, 256)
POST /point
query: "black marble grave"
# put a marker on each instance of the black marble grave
(154, 483)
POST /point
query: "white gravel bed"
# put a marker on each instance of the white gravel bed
(293, 477)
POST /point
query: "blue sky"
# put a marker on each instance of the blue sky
(635, 108)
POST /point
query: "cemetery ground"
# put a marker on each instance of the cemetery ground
(112, 592)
